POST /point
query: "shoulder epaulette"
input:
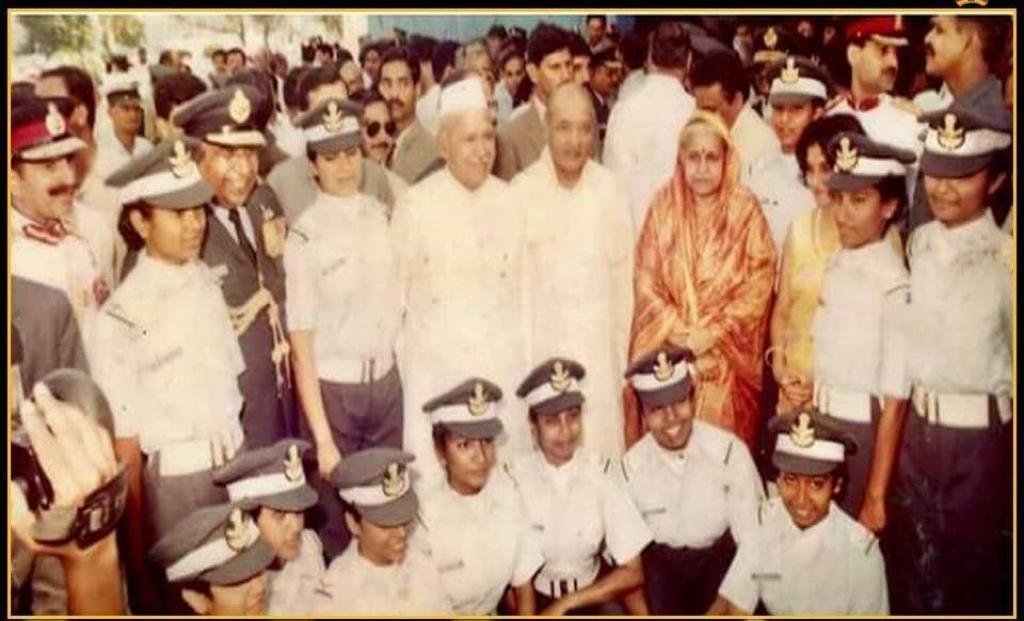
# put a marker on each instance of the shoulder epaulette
(622, 465)
(607, 464)
(871, 543)
(728, 454)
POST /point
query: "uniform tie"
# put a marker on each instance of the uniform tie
(243, 240)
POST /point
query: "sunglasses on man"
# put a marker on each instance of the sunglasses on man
(373, 128)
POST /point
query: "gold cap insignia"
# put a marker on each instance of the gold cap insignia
(181, 162)
(240, 108)
(560, 377)
(802, 433)
(293, 464)
(663, 369)
(771, 38)
(332, 118)
(846, 156)
(55, 124)
(950, 136)
(791, 73)
(395, 482)
(478, 403)
(240, 531)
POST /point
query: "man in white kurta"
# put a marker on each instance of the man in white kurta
(577, 264)
(457, 237)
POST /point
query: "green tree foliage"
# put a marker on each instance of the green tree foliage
(48, 34)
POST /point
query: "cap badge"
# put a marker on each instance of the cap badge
(846, 156)
(181, 163)
(771, 38)
(950, 136)
(239, 532)
(54, 121)
(332, 118)
(802, 433)
(790, 74)
(239, 109)
(478, 403)
(560, 377)
(395, 482)
(663, 369)
(292, 464)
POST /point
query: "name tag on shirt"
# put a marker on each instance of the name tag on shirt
(766, 576)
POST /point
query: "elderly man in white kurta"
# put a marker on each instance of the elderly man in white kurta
(457, 236)
(577, 263)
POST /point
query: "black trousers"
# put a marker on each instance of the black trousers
(948, 546)
(685, 581)
(858, 465)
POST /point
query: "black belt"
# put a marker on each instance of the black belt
(560, 588)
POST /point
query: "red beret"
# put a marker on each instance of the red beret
(886, 29)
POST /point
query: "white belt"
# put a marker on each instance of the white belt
(356, 370)
(958, 410)
(849, 405)
(187, 457)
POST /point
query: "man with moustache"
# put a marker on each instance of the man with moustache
(414, 145)
(871, 50)
(965, 52)
(457, 237)
(579, 261)
(244, 245)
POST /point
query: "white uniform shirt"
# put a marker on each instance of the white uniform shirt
(690, 497)
(574, 508)
(961, 304)
(890, 124)
(755, 140)
(353, 585)
(642, 141)
(782, 195)
(832, 568)
(167, 357)
(69, 265)
(459, 268)
(111, 154)
(480, 543)
(860, 328)
(578, 285)
(632, 83)
(291, 589)
(342, 281)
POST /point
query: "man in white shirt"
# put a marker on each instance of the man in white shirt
(125, 109)
(642, 142)
(457, 236)
(578, 263)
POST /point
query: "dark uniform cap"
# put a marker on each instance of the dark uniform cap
(808, 443)
(861, 162)
(662, 377)
(271, 476)
(220, 545)
(331, 126)
(377, 481)
(797, 80)
(224, 117)
(773, 44)
(964, 139)
(166, 176)
(553, 386)
(39, 132)
(468, 409)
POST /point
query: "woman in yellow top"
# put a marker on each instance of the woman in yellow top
(812, 239)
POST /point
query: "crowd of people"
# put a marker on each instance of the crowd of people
(712, 316)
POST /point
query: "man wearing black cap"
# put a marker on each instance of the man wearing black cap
(860, 329)
(243, 246)
(951, 502)
(695, 485)
(271, 481)
(807, 556)
(388, 569)
(58, 288)
(217, 557)
(549, 65)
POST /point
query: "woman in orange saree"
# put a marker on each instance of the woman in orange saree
(703, 278)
